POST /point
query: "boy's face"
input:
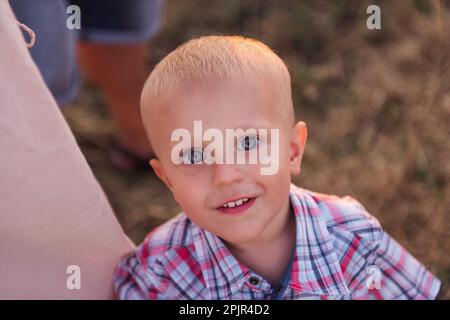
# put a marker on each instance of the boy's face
(202, 190)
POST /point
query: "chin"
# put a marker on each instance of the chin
(239, 238)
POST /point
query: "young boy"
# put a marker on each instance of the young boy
(246, 232)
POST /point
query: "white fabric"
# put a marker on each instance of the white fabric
(53, 213)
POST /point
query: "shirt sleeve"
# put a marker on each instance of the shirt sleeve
(392, 273)
(134, 282)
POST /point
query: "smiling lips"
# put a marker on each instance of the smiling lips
(237, 206)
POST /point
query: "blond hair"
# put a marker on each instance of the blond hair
(218, 57)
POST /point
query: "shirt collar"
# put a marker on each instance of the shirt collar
(223, 273)
(315, 270)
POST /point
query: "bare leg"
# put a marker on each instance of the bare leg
(119, 71)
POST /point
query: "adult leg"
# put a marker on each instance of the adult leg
(112, 53)
(119, 70)
(54, 50)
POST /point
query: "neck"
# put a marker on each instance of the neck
(268, 255)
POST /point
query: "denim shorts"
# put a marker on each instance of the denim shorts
(102, 21)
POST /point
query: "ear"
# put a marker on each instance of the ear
(159, 171)
(297, 147)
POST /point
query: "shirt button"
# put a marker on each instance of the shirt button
(254, 281)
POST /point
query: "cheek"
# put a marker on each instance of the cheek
(278, 185)
(189, 190)
(283, 165)
(192, 201)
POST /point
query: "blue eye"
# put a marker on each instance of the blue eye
(193, 156)
(248, 142)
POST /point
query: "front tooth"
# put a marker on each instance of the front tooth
(225, 205)
(231, 204)
(239, 202)
(245, 199)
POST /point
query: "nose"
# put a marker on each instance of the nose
(226, 174)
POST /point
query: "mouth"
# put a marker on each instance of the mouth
(237, 206)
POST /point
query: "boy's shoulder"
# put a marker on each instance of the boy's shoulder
(373, 264)
(172, 237)
(340, 214)
(163, 265)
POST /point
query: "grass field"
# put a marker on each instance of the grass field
(376, 103)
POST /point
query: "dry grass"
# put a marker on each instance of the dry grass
(377, 106)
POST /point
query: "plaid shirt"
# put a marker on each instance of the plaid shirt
(341, 252)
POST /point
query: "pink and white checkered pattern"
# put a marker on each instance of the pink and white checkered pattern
(337, 243)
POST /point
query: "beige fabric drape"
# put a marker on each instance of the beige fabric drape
(53, 213)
